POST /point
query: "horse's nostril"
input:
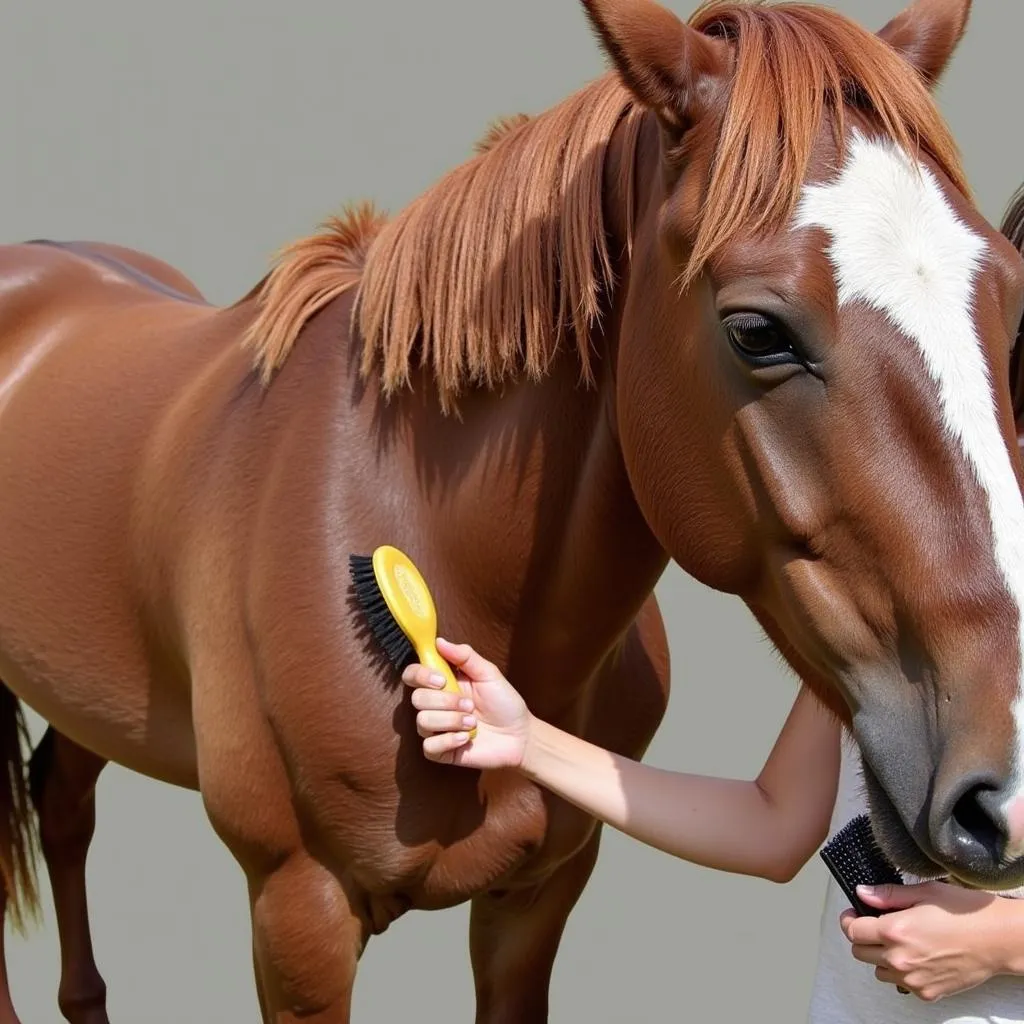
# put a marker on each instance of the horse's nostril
(975, 822)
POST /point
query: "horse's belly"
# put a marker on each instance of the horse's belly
(119, 717)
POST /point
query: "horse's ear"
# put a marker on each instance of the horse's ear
(670, 67)
(927, 32)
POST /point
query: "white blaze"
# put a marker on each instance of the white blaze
(897, 245)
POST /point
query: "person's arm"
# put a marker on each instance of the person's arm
(768, 826)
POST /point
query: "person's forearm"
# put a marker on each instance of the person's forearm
(727, 824)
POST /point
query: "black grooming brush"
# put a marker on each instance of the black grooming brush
(854, 858)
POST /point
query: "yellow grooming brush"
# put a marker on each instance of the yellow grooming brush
(400, 611)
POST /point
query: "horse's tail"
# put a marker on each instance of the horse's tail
(18, 822)
(1013, 228)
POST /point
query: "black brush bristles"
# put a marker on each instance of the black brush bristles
(854, 858)
(388, 634)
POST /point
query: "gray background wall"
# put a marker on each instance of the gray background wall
(210, 132)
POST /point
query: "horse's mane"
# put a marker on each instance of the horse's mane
(1012, 227)
(795, 63)
(488, 271)
(499, 129)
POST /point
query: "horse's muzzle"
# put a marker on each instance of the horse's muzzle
(947, 819)
(976, 828)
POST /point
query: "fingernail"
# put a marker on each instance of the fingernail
(468, 722)
(465, 704)
(436, 679)
(865, 890)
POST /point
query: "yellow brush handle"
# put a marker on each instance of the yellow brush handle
(408, 599)
(430, 657)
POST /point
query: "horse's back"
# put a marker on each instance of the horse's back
(46, 287)
(142, 267)
(97, 343)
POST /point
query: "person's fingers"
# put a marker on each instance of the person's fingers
(895, 897)
(889, 976)
(860, 930)
(868, 954)
(420, 675)
(443, 700)
(429, 722)
(473, 666)
(444, 744)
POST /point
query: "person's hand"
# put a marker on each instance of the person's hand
(488, 702)
(933, 938)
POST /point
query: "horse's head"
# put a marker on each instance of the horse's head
(813, 394)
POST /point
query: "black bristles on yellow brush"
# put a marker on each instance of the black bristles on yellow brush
(400, 611)
(386, 631)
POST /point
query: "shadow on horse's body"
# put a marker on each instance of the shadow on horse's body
(176, 519)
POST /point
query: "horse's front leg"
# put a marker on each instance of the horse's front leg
(63, 780)
(307, 942)
(514, 938)
(306, 933)
(261, 996)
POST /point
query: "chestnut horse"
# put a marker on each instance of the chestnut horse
(730, 304)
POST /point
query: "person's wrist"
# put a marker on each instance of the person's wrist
(528, 762)
(1006, 947)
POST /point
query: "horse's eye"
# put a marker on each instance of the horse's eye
(759, 340)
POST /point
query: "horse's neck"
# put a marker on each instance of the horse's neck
(597, 563)
(523, 510)
(600, 560)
